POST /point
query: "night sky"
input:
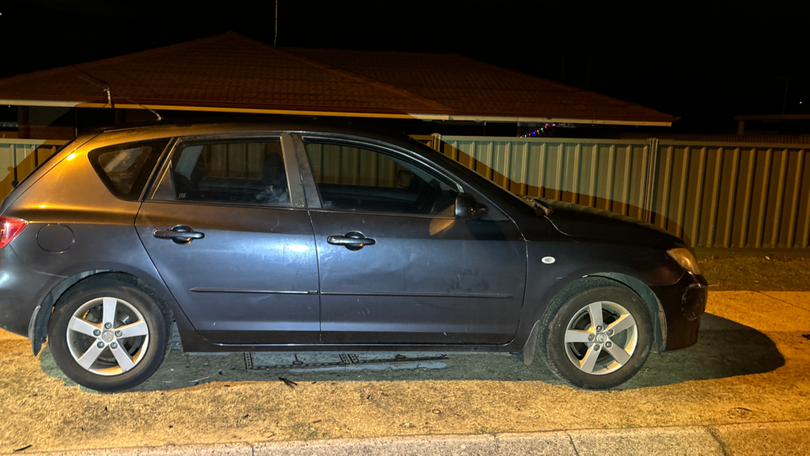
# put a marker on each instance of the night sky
(701, 62)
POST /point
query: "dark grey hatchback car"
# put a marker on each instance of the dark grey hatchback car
(295, 237)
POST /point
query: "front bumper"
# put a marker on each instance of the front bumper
(684, 303)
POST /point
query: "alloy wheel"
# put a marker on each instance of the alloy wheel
(601, 337)
(107, 336)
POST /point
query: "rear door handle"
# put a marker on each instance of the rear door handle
(353, 240)
(180, 234)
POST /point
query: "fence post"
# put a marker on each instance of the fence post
(14, 164)
(650, 180)
(436, 142)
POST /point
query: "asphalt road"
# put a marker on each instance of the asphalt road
(743, 389)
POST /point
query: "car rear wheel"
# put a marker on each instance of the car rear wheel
(597, 335)
(109, 335)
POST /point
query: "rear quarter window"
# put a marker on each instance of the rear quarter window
(125, 168)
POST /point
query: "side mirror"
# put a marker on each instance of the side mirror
(468, 208)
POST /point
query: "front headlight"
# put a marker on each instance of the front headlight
(685, 258)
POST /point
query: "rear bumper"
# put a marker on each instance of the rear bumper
(683, 304)
(20, 292)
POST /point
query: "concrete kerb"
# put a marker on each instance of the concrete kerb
(737, 439)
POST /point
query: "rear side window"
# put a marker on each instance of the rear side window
(236, 171)
(125, 168)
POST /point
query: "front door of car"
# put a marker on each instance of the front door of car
(233, 241)
(395, 265)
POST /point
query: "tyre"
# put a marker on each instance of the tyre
(596, 335)
(107, 334)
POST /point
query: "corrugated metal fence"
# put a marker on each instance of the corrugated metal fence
(18, 157)
(713, 194)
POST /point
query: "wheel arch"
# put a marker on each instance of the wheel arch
(654, 308)
(40, 319)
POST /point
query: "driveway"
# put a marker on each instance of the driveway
(749, 366)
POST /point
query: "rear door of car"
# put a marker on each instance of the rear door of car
(227, 228)
(395, 265)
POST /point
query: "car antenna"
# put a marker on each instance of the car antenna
(106, 88)
(275, 34)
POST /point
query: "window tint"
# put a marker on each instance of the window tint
(355, 178)
(125, 168)
(238, 172)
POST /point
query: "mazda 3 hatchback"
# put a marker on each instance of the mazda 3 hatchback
(256, 237)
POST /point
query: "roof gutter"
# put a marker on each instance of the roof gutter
(377, 115)
(45, 103)
(293, 112)
(512, 119)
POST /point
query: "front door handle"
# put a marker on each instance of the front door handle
(180, 234)
(353, 240)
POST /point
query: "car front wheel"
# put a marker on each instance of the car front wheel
(597, 335)
(107, 334)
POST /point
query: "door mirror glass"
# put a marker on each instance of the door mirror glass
(468, 208)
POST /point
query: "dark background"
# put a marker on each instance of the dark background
(703, 62)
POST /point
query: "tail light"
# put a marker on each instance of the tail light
(9, 229)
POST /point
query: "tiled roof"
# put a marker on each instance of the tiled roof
(232, 71)
(476, 88)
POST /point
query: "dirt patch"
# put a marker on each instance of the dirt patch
(757, 273)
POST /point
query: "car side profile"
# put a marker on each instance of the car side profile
(297, 237)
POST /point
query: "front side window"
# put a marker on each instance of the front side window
(237, 172)
(357, 178)
(125, 168)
